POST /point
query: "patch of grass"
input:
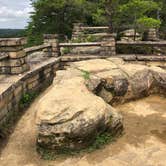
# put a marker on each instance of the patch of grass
(85, 74)
(99, 142)
(85, 38)
(66, 50)
(26, 99)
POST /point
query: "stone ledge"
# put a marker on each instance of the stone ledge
(12, 41)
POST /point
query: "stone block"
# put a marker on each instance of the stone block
(18, 54)
(18, 90)
(3, 112)
(12, 62)
(33, 85)
(2, 103)
(10, 48)
(5, 70)
(12, 42)
(32, 79)
(20, 69)
(48, 70)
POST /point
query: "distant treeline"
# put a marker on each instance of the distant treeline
(6, 33)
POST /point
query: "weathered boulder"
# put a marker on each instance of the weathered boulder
(133, 82)
(71, 116)
(76, 109)
(121, 82)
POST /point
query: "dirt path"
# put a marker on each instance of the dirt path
(143, 144)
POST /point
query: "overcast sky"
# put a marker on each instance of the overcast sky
(14, 13)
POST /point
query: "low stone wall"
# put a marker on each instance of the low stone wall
(15, 61)
(141, 47)
(13, 88)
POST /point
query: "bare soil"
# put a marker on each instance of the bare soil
(143, 142)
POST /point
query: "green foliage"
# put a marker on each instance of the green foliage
(135, 11)
(85, 74)
(57, 16)
(53, 16)
(26, 99)
(85, 38)
(100, 141)
(66, 50)
(146, 23)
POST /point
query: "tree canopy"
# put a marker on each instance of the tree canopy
(57, 16)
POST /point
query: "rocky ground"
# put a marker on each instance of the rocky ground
(78, 106)
(143, 142)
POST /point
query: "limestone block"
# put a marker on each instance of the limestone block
(3, 112)
(12, 62)
(32, 79)
(18, 90)
(12, 42)
(18, 54)
(5, 70)
(2, 103)
(33, 85)
(20, 69)
(11, 48)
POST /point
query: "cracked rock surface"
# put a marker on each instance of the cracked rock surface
(76, 109)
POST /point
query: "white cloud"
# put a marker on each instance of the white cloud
(7, 13)
(14, 14)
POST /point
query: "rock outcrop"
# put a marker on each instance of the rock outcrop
(70, 117)
(77, 109)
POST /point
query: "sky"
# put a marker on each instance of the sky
(14, 13)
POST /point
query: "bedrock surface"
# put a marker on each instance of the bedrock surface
(76, 109)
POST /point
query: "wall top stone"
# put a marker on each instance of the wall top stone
(12, 42)
(50, 36)
(3, 55)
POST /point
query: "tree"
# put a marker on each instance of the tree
(135, 12)
(53, 16)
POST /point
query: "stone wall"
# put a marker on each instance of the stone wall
(53, 40)
(13, 88)
(130, 35)
(14, 61)
(82, 32)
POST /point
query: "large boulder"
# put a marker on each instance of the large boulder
(70, 116)
(121, 82)
(130, 82)
(75, 110)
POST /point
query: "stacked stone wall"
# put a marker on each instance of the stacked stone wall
(33, 81)
(14, 61)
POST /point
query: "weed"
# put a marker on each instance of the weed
(85, 74)
(26, 99)
(66, 50)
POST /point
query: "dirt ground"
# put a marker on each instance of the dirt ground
(143, 142)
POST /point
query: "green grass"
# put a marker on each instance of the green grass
(66, 50)
(26, 99)
(85, 74)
